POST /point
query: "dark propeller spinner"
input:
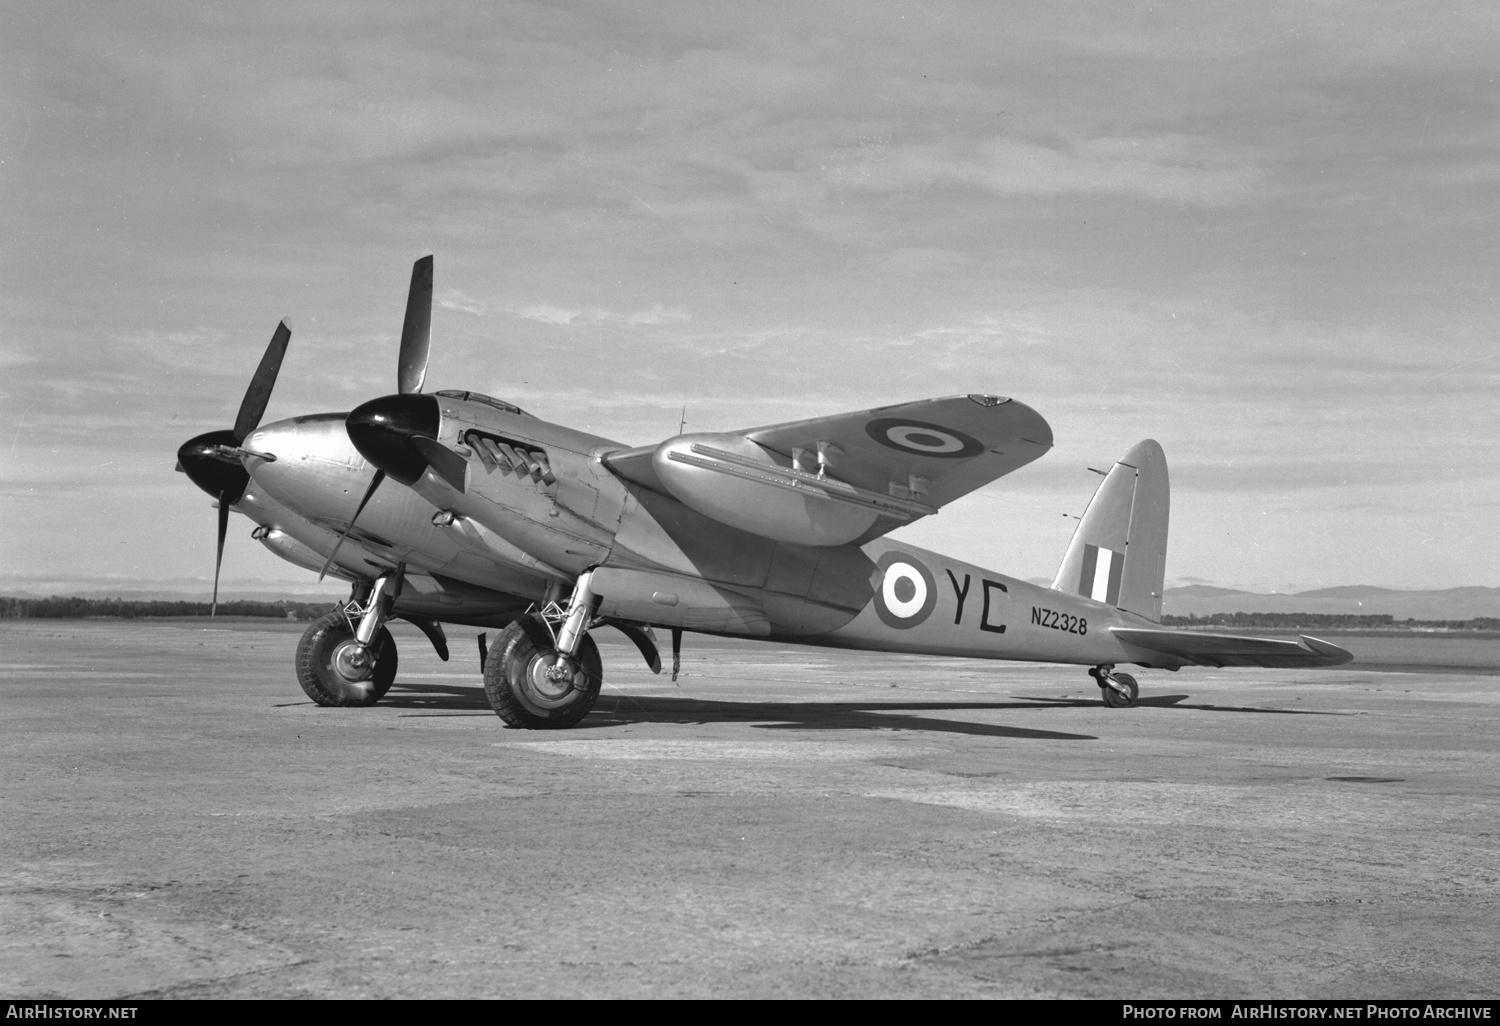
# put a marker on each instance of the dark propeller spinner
(211, 460)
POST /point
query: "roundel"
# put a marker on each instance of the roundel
(906, 593)
(923, 439)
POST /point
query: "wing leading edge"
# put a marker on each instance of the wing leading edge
(1170, 649)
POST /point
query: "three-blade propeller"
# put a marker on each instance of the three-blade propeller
(411, 370)
(207, 459)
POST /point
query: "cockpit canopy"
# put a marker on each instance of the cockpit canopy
(476, 397)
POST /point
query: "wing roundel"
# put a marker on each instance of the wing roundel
(933, 451)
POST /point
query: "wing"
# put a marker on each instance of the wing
(952, 445)
(894, 463)
(1170, 649)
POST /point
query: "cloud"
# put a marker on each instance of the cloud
(655, 316)
(452, 299)
(919, 260)
(1163, 167)
(182, 349)
(659, 314)
(553, 314)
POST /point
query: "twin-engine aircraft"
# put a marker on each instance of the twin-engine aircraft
(453, 507)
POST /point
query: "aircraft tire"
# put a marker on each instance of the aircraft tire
(318, 664)
(516, 684)
(1114, 699)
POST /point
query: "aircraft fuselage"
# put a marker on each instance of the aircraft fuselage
(524, 525)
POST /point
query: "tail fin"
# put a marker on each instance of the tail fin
(1119, 552)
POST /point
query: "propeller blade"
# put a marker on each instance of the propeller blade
(416, 329)
(224, 503)
(374, 484)
(259, 392)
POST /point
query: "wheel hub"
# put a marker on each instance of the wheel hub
(351, 661)
(550, 679)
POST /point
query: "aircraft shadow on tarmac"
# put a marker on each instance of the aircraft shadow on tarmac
(1172, 702)
(818, 716)
(616, 707)
(429, 697)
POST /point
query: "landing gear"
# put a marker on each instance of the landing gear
(529, 684)
(1119, 690)
(347, 657)
(544, 670)
(335, 671)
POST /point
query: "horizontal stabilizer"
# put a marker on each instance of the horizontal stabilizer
(1170, 649)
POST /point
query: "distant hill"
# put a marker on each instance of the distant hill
(1358, 599)
(1204, 591)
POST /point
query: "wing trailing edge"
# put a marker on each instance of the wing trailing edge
(1170, 649)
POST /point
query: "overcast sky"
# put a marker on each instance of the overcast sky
(1263, 234)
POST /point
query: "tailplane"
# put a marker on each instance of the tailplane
(1119, 552)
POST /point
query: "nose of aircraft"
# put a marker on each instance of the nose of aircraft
(383, 429)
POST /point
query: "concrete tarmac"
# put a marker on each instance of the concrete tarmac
(177, 820)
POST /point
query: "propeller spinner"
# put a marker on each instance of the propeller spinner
(212, 461)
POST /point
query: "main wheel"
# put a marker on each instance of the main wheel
(1114, 699)
(517, 685)
(326, 671)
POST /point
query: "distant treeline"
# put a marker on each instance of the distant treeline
(1346, 621)
(119, 609)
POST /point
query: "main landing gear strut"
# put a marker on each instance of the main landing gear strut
(1119, 689)
(347, 657)
(544, 670)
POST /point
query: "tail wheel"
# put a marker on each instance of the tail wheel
(1113, 698)
(329, 675)
(519, 688)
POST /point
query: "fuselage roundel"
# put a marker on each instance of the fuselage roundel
(927, 603)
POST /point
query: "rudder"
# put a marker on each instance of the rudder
(1119, 552)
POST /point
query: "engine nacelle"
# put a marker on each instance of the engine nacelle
(736, 482)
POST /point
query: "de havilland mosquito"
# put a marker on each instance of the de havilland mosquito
(453, 507)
